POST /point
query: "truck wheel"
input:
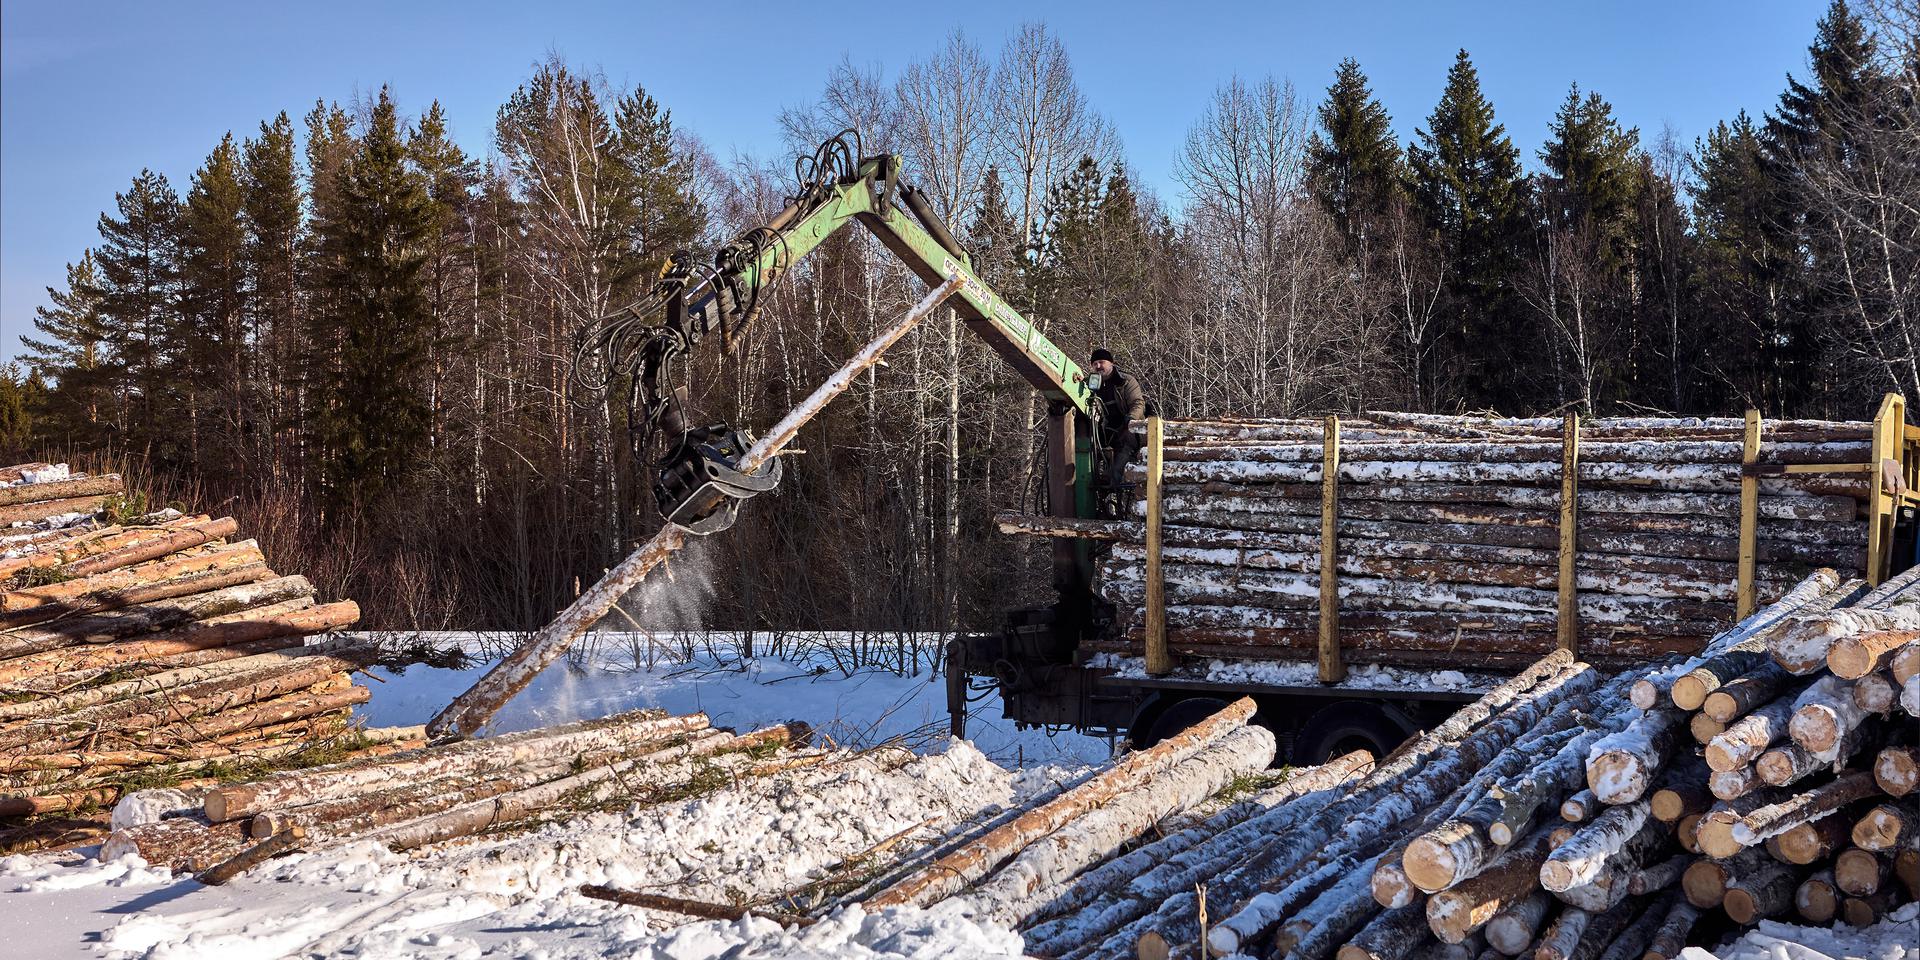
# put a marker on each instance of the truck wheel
(1348, 725)
(1176, 717)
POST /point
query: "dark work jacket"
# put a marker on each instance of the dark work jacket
(1123, 400)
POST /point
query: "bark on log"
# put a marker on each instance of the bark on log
(215, 632)
(1802, 647)
(277, 710)
(30, 512)
(1705, 881)
(1633, 939)
(67, 596)
(969, 863)
(1659, 876)
(1578, 860)
(1621, 766)
(1674, 932)
(1690, 692)
(1397, 934)
(1020, 887)
(101, 542)
(1823, 714)
(1716, 832)
(300, 787)
(171, 540)
(1810, 842)
(1563, 935)
(1455, 913)
(1866, 911)
(1514, 928)
(97, 486)
(1750, 736)
(1746, 694)
(1731, 784)
(1764, 892)
(691, 908)
(1704, 728)
(1678, 798)
(182, 844)
(1580, 808)
(150, 617)
(253, 856)
(1775, 818)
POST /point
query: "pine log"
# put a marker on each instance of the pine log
(1578, 860)
(969, 863)
(1705, 880)
(1810, 842)
(214, 632)
(1514, 928)
(31, 512)
(102, 485)
(1674, 932)
(150, 617)
(691, 908)
(253, 856)
(1860, 873)
(471, 818)
(1704, 728)
(1731, 784)
(1817, 900)
(1853, 657)
(182, 844)
(1659, 876)
(1875, 693)
(1775, 818)
(1563, 936)
(1764, 892)
(1822, 715)
(1897, 770)
(300, 787)
(1397, 934)
(1750, 736)
(33, 806)
(1744, 695)
(1803, 646)
(1866, 911)
(1454, 913)
(89, 544)
(277, 710)
(150, 683)
(1621, 766)
(1690, 691)
(1905, 664)
(1887, 827)
(174, 540)
(113, 587)
(1020, 887)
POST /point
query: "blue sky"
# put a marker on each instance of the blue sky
(91, 92)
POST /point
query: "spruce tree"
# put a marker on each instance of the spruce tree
(1466, 181)
(1353, 161)
(993, 238)
(71, 349)
(1591, 166)
(369, 412)
(139, 263)
(1750, 265)
(667, 215)
(213, 269)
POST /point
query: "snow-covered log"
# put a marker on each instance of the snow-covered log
(1716, 833)
(1750, 736)
(1026, 881)
(973, 861)
(1853, 657)
(300, 787)
(1823, 713)
(182, 844)
(1729, 784)
(1691, 690)
(1514, 928)
(1579, 859)
(1579, 808)
(1563, 936)
(1897, 770)
(1875, 693)
(1633, 939)
(1802, 647)
(1746, 694)
(1621, 766)
(1454, 913)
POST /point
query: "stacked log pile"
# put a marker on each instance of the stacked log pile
(146, 649)
(430, 794)
(1448, 532)
(1568, 813)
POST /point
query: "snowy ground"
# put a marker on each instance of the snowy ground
(514, 897)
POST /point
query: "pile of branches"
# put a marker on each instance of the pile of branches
(1448, 533)
(1566, 815)
(139, 648)
(434, 793)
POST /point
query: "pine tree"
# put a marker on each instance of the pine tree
(450, 278)
(17, 401)
(139, 263)
(275, 242)
(1353, 161)
(72, 350)
(213, 371)
(370, 412)
(1466, 181)
(668, 217)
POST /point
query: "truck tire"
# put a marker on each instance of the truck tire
(1349, 725)
(1161, 722)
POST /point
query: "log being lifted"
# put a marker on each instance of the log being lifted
(472, 709)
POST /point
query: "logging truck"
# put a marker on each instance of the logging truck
(1361, 578)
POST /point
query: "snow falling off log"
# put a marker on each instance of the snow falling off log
(472, 709)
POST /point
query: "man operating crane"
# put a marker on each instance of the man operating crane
(1123, 400)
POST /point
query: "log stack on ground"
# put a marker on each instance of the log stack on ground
(1447, 535)
(147, 648)
(429, 794)
(1562, 815)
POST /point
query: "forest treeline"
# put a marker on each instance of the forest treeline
(357, 337)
